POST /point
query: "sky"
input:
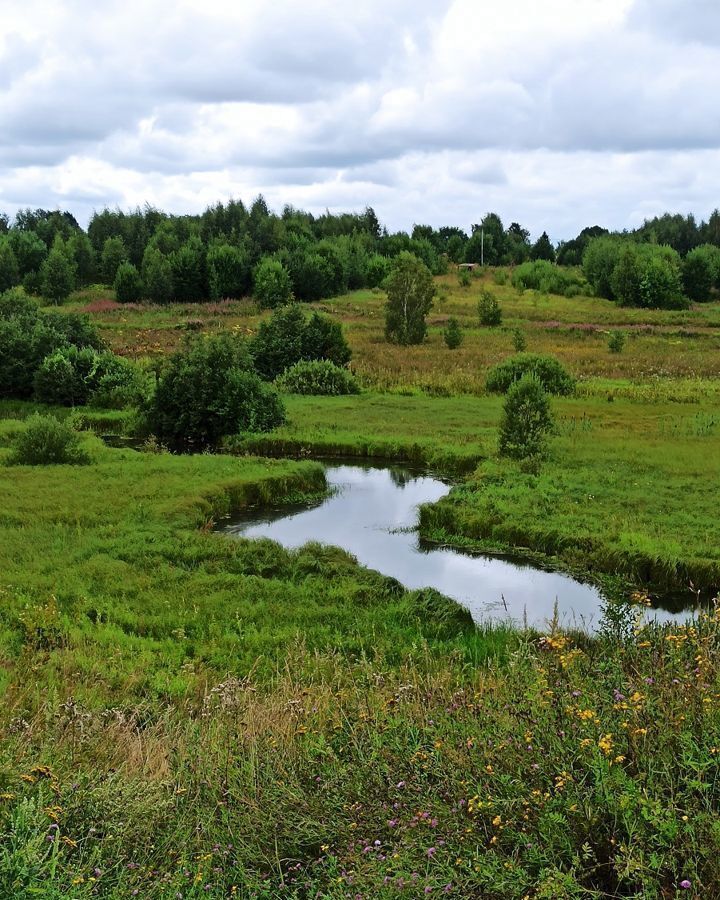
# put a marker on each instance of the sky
(556, 114)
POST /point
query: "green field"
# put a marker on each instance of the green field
(191, 715)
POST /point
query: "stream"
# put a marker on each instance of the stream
(372, 513)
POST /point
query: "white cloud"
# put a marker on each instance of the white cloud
(558, 115)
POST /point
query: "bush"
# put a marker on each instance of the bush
(70, 375)
(57, 275)
(287, 338)
(127, 284)
(208, 391)
(519, 341)
(616, 341)
(699, 272)
(28, 335)
(500, 277)
(464, 278)
(271, 284)
(453, 334)
(317, 376)
(122, 384)
(526, 419)
(47, 441)
(545, 277)
(489, 311)
(550, 372)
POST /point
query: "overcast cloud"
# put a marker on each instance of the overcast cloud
(558, 114)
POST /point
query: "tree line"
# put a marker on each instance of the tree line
(232, 250)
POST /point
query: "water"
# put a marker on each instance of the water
(372, 513)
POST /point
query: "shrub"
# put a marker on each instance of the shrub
(550, 372)
(47, 441)
(323, 338)
(188, 272)
(410, 291)
(489, 311)
(377, 270)
(208, 391)
(287, 338)
(500, 277)
(464, 278)
(616, 341)
(122, 384)
(127, 284)
(545, 277)
(317, 376)
(69, 375)
(526, 419)
(28, 335)
(453, 334)
(519, 341)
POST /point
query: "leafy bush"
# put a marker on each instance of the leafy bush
(271, 284)
(526, 419)
(500, 277)
(57, 274)
(317, 376)
(464, 279)
(28, 335)
(121, 384)
(519, 341)
(287, 337)
(489, 311)
(69, 375)
(550, 372)
(453, 334)
(700, 271)
(616, 341)
(46, 441)
(208, 391)
(645, 275)
(542, 275)
(127, 284)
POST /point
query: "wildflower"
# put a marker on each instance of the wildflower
(431, 851)
(686, 884)
(606, 744)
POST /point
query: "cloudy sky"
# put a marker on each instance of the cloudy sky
(557, 114)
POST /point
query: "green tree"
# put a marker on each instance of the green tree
(599, 260)
(271, 284)
(228, 270)
(208, 391)
(660, 287)
(128, 284)
(29, 251)
(453, 334)
(526, 419)
(543, 248)
(9, 269)
(113, 254)
(188, 271)
(57, 276)
(157, 276)
(700, 269)
(83, 256)
(489, 311)
(410, 292)
(627, 276)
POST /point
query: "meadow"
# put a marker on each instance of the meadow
(189, 715)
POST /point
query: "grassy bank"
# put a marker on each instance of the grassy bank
(625, 489)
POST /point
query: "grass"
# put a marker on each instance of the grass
(189, 715)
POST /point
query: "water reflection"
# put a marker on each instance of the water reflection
(371, 514)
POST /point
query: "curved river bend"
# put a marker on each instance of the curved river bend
(372, 513)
